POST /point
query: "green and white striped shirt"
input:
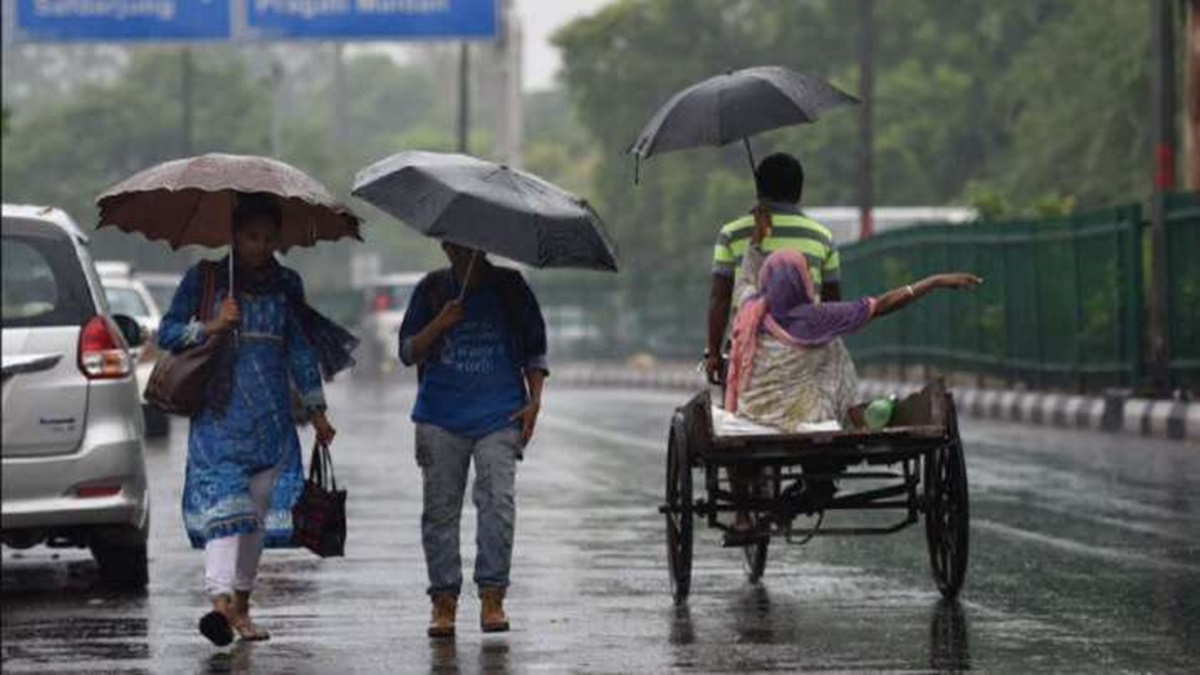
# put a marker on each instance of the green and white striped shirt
(791, 230)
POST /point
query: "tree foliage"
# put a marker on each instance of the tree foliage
(1040, 104)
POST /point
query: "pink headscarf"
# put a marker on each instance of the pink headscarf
(787, 307)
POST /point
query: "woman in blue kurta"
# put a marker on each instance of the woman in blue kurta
(244, 468)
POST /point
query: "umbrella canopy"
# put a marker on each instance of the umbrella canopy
(490, 207)
(736, 106)
(190, 201)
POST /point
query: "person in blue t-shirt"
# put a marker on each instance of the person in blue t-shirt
(476, 334)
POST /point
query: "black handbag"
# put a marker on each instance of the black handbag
(319, 516)
(179, 381)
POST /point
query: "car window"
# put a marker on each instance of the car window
(125, 301)
(43, 283)
(163, 294)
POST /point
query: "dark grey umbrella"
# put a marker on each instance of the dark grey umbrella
(490, 207)
(736, 106)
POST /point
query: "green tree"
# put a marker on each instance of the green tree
(1077, 99)
(68, 153)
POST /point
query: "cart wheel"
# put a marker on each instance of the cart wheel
(947, 519)
(756, 560)
(679, 515)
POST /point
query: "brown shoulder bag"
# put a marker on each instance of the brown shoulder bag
(179, 380)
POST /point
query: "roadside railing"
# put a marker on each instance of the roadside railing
(1061, 305)
(1183, 288)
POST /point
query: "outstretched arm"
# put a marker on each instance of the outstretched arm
(905, 295)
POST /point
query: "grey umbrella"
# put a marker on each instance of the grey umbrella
(736, 106)
(490, 207)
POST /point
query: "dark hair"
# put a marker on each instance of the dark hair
(780, 177)
(253, 206)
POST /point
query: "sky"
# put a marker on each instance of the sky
(540, 18)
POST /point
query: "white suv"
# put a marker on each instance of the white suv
(72, 452)
(386, 300)
(127, 295)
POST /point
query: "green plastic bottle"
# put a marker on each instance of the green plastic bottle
(879, 413)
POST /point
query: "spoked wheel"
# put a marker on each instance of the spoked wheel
(679, 512)
(947, 518)
(756, 560)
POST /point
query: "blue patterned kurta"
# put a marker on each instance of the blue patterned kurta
(256, 431)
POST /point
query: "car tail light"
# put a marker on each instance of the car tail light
(98, 490)
(382, 302)
(102, 352)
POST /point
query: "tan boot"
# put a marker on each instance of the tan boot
(491, 611)
(441, 622)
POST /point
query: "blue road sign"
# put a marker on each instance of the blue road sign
(371, 19)
(122, 21)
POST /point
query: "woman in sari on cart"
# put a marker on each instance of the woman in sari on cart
(788, 368)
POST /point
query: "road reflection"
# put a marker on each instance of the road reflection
(949, 639)
(443, 656)
(493, 656)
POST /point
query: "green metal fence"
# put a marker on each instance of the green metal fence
(1183, 288)
(1061, 305)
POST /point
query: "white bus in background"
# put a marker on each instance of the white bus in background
(843, 221)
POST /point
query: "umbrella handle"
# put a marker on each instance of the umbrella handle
(462, 293)
(750, 155)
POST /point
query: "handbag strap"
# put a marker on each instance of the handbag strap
(321, 467)
(210, 290)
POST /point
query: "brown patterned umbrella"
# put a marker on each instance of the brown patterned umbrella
(190, 201)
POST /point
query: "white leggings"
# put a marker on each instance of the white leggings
(231, 563)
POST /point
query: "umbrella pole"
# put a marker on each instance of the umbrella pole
(750, 155)
(462, 293)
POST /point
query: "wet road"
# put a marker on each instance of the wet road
(1084, 559)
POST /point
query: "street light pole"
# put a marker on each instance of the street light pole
(1164, 120)
(866, 85)
(339, 95)
(464, 96)
(185, 101)
(1192, 52)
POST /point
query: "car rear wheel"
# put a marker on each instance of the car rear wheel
(158, 423)
(122, 557)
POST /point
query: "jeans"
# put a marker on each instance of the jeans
(444, 459)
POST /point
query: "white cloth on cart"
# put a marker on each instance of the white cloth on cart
(728, 424)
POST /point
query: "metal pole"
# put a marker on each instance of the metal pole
(866, 86)
(185, 99)
(276, 130)
(1193, 93)
(339, 95)
(464, 96)
(1164, 118)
